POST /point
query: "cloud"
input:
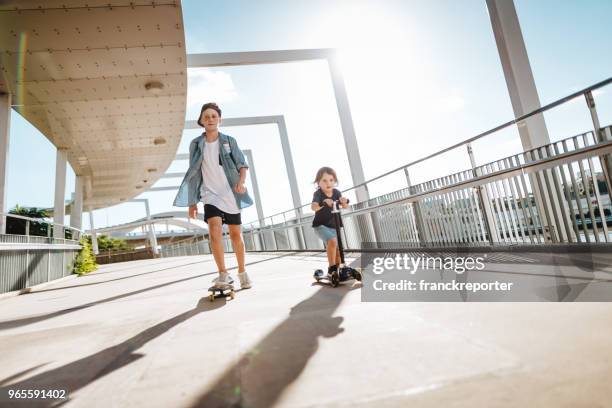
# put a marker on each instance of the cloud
(207, 85)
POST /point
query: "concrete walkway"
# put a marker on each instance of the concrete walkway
(143, 334)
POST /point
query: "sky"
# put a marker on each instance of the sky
(420, 75)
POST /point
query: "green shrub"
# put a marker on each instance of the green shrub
(85, 261)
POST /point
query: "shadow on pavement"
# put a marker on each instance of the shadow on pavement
(265, 371)
(78, 374)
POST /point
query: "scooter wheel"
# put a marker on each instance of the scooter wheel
(335, 280)
(357, 275)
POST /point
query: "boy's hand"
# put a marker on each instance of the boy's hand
(240, 188)
(329, 202)
(193, 211)
(343, 201)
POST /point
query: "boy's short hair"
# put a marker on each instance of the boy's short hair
(209, 105)
(324, 170)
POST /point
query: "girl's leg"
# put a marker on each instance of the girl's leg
(338, 256)
(215, 230)
(331, 248)
(235, 232)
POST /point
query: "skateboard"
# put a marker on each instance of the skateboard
(215, 292)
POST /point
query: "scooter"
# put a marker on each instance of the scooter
(344, 272)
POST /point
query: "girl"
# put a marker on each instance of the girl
(323, 222)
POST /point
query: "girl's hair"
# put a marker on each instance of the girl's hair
(324, 170)
(209, 105)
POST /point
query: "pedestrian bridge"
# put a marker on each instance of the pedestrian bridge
(144, 333)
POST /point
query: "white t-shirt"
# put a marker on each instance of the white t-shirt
(215, 187)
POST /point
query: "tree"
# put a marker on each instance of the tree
(85, 261)
(106, 243)
(17, 226)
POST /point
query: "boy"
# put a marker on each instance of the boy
(216, 176)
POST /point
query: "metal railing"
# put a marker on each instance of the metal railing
(557, 193)
(30, 255)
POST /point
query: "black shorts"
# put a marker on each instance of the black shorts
(229, 219)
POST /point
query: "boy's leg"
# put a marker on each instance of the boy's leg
(235, 233)
(215, 231)
(238, 245)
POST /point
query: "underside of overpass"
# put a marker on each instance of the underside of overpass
(105, 82)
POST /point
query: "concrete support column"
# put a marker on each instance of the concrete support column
(5, 125)
(348, 131)
(293, 184)
(517, 71)
(94, 236)
(352, 148)
(60, 191)
(152, 236)
(76, 214)
(524, 98)
(256, 195)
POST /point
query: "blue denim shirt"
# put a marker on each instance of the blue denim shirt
(189, 191)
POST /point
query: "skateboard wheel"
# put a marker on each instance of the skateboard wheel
(211, 297)
(232, 295)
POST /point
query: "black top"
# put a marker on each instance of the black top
(324, 216)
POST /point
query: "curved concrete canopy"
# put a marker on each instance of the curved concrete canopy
(106, 81)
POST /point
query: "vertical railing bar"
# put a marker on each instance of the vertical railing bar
(517, 200)
(587, 191)
(503, 202)
(510, 202)
(501, 210)
(546, 218)
(568, 195)
(562, 208)
(604, 223)
(524, 200)
(464, 221)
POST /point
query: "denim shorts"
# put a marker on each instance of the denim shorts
(325, 233)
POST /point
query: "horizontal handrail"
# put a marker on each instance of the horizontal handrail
(540, 110)
(20, 246)
(601, 148)
(488, 132)
(38, 220)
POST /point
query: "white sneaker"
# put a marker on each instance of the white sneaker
(245, 282)
(223, 279)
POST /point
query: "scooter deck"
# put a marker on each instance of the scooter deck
(352, 274)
